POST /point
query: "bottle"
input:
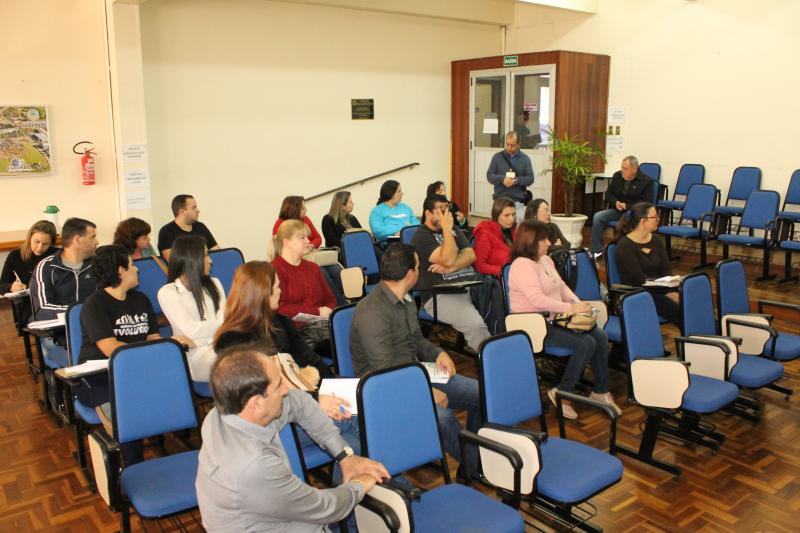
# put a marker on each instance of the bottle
(51, 214)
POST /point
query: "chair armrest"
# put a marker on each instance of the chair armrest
(509, 456)
(454, 288)
(659, 382)
(754, 331)
(710, 357)
(384, 505)
(105, 454)
(506, 451)
(382, 510)
(773, 303)
(607, 409)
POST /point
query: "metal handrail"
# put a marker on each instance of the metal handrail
(361, 181)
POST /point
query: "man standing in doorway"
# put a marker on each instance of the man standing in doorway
(511, 172)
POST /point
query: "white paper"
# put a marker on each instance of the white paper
(344, 388)
(305, 317)
(91, 365)
(666, 281)
(137, 200)
(614, 143)
(18, 294)
(134, 152)
(137, 177)
(436, 375)
(616, 115)
(491, 125)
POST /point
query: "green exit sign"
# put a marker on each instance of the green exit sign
(510, 61)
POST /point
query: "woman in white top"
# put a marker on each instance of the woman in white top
(193, 302)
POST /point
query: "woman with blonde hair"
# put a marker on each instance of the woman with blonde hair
(339, 219)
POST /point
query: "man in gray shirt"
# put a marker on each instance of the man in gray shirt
(385, 333)
(244, 479)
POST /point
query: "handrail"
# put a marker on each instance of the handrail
(361, 181)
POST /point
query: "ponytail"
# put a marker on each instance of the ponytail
(631, 218)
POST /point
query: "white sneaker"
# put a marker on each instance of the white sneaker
(566, 406)
(606, 398)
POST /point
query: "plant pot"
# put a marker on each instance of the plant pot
(571, 227)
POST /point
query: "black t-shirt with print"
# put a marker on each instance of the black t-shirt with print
(425, 241)
(103, 316)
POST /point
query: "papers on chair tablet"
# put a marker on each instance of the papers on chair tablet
(435, 374)
(92, 365)
(344, 388)
(18, 294)
(305, 317)
(47, 324)
(666, 281)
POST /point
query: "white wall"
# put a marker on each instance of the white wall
(54, 54)
(708, 81)
(249, 101)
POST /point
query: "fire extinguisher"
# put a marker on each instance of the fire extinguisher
(87, 163)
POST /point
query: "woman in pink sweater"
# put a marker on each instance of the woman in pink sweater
(535, 286)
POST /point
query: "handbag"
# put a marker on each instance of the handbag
(305, 379)
(580, 322)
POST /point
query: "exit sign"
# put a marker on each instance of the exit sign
(510, 61)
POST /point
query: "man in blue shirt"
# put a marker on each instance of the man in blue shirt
(511, 171)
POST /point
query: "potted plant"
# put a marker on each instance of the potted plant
(575, 158)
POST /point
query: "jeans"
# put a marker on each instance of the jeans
(462, 393)
(458, 311)
(333, 276)
(600, 221)
(55, 356)
(591, 346)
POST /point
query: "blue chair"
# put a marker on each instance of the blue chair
(586, 282)
(142, 408)
(651, 169)
(689, 174)
(151, 279)
(399, 428)
(571, 472)
(746, 370)
(698, 208)
(84, 417)
(733, 299)
(674, 398)
(340, 320)
(224, 263)
(744, 181)
(787, 243)
(358, 251)
(760, 214)
(407, 233)
(792, 198)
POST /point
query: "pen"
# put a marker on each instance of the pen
(17, 276)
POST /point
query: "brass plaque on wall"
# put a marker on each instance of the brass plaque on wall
(362, 108)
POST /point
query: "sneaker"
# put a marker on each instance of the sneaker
(606, 398)
(566, 407)
(597, 255)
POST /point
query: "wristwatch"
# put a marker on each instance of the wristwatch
(346, 452)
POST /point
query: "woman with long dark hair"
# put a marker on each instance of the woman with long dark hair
(539, 209)
(493, 237)
(193, 301)
(535, 286)
(294, 208)
(390, 215)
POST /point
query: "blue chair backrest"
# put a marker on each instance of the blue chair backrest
(702, 199)
(761, 209)
(612, 272)
(506, 289)
(744, 181)
(151, 279)
(357, 250)
(651, 169)
(340, 321)
(793, 192)
(398, 419)
(509, 386)
(640, 328)
(74, 332)
(697, 305)
(407, 233)
(224, 264)
(732, 288)
(290, 446)
(151, 390)
(585, 280)
(689, 174)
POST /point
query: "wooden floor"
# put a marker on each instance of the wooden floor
(751, 484)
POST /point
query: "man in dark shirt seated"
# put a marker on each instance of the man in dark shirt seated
(628, 186)
(184, 207)
(385, 333)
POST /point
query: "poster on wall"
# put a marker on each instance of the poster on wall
(24, 141)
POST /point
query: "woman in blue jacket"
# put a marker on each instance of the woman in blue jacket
(390, 215)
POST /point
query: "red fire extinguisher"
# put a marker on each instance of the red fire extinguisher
(87, 163)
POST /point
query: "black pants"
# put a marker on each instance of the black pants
(667, 308)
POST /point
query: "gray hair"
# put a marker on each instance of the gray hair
(512, 134)
(632, 161)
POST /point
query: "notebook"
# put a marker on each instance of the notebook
(344, 388)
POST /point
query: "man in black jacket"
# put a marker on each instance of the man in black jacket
(628, 186)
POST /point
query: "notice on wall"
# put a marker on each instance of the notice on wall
(362, 108)
(137, 200)
(614, 143)
(530, 107)
(134, 152)
(616, 115)
(491, 125)
(137, 178)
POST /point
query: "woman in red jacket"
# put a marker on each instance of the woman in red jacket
(493, 238)
(294, 208)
